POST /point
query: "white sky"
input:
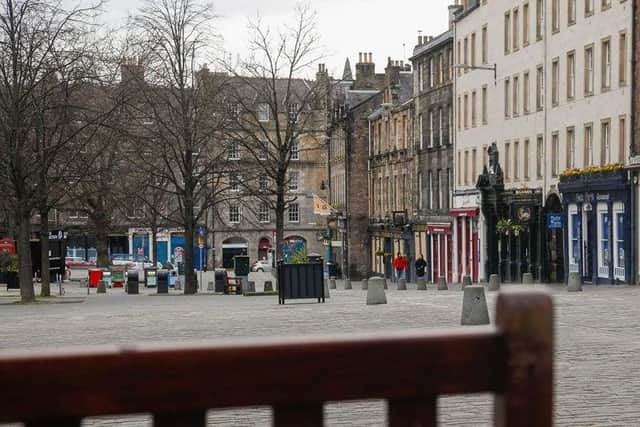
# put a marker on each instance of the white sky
(346, 26)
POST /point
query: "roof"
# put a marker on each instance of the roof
(433, 44)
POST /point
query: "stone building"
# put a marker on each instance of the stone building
(391, 170)
(549, 83)
(433, 143)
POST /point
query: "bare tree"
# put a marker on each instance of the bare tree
(41, 55)
(180, 103)
(277, 106)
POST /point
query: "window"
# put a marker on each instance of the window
(603, 232)
(525, 24)
(459, 168)
(234, 214)
(294, 111)
(619, 233)
(263, 183)
(526, 159)
(233, 109)
(466, 167)
(555, 158)
(263, 112)
(484, 45)
(525, 96)
(606, 64)
(571, 75)
(622, 59)
(516, 95)
(263, 213)
(450, 64)
(539, 88)
(588, 8)
(539, 155)
(133, 211)
(421, 74)
(295, 149)
(605, 142)
(622, 138)
(293, 181)
(420, 190)
(421, 126)
(474, 162)
(606, 4)
(506, 98)
(466, 53)
(432, 130)
(294, 212)
(516, 160)
(588, 70)
(459, 113)
(588, 144)
(484, 105)
(262, 151)
(466, 111)
(555, 16)
(507, 29)
(234, 151)
(459, 56)
(571, 12)
(439, 186)
(539, 19)
(442, 69)
(575, 227)
(473, 108)
(516, 29)
(507, 161)
(430, 189)
(571, 148)
(440, 127)
(555, 82)
(234, 182)
(473, 49)
(432, 73)
(449, 139)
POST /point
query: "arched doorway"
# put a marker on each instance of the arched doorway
(553, 244)
(264, 245)
(232, 247)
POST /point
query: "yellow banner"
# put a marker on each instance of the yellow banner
(320, 207)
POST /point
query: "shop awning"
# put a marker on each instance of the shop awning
(439, 228)
(458, 212)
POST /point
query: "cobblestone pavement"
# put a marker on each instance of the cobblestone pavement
(597, 345)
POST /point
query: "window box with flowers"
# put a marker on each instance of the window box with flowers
(591, 173)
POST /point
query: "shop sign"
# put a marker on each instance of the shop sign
(554, 221)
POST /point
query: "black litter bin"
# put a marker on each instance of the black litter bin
(151, 277)
(163, 281)
(315, 258)
(221, 280)
(133, 287)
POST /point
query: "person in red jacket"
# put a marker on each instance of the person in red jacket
(399, 265)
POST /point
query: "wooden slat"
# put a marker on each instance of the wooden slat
(413, 412)
(60, 422)
(150, 379)
(309, 415)
(527, 321)
(186, 419)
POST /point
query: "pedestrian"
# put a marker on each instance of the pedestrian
(399, 265)
(420, 265)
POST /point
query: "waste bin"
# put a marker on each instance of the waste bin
(118, 276)
(241, 265)
(222, 280)
(106, 278)
(133, 287)
(95, 275)
(315, 258)
(151, 277)
(162, 280)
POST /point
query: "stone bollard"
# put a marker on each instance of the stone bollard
(575, 282)
(466, 281)
(251, 287)
(474, 306)
(211, 287)
(442, 284)
(102, 287)
(326, 288)
(494, 282)
(347, 284)
(422, 284)
(402, 284)
(332, 284)
(527, 279)
(375, 293)
(268, 286)
(365, 284)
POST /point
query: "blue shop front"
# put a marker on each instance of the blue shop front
(597, 226)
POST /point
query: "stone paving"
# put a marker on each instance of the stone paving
(597, 345)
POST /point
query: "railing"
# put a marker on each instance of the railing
(296, 376)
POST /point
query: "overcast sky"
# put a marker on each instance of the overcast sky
(346, 26)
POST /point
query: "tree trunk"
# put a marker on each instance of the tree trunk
(154, 243)
(45, 290)
(280, 211)
(102, 244)
(189, 276)
(27, 293)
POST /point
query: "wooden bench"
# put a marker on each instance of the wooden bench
(296, 376)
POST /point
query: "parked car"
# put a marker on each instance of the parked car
(261, 265)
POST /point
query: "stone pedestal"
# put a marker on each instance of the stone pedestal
(494, 282)
(575, 282)
(375, 293)
(332, 284)
(474, 306)
(365, 284)
(442, 284)
(422, 284)
(402, 284)
(326, 289)
(347, 285)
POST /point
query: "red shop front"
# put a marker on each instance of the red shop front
(465, 224)
(441, 249)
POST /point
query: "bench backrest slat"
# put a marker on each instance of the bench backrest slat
(296, 376)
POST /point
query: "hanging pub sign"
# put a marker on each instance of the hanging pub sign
(554, 221)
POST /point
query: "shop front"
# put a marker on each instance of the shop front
(597, 226)
(435, 242)
(385, 245)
